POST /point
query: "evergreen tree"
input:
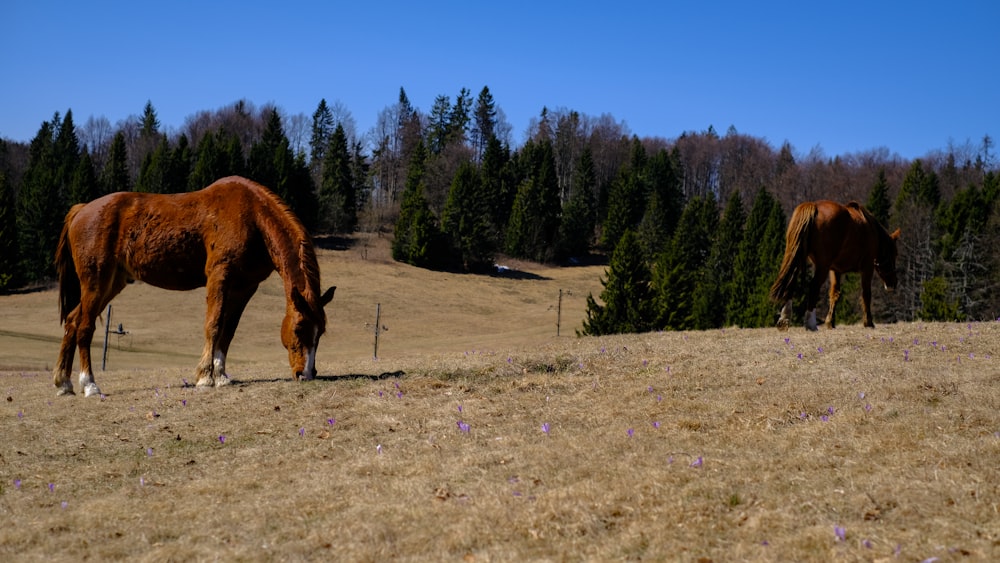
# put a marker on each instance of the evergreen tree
(760, 311)
(179, 167)
(337, 197)
(85, 187)
(153, 173)
(714, 293)
(270, 157)
(416, 238)
(458, 119)
(627, 295)
(497, 185)
(115, 176)
(484, 124)
(10, 273)
(628, 197)
(534, 219)
(665, 204)
(466, 221)
(878, 199)
(322, 129)
(576, 230)
(437, 132)
(676, 275)
(744, 308)
(40, 207)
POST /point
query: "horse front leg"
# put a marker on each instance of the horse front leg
(232, 309)
(212, 365)
(834, 297)
(785, 318)
(866, 298)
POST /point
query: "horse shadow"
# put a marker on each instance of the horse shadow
(328, 378)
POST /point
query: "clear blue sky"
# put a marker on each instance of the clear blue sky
(845, 76)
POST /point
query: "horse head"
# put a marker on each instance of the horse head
(885, 262)
(300, 331)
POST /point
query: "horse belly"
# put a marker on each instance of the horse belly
(170, 261)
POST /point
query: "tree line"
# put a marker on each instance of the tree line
(694, 225)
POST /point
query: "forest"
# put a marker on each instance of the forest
(691, 226)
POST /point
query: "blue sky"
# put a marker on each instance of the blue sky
(841, 76)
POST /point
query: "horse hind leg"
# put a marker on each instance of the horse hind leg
(785, 320)
(67, 350)
(812, 297)
(834, 297)
(92, 302)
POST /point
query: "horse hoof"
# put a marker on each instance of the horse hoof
(64, 391)
(91, 389)
(205, 382)
(223, 380)
(783, 325)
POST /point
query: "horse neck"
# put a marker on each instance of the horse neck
(292, 256)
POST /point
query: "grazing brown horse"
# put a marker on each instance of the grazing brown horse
(836, 239)
(228, 238)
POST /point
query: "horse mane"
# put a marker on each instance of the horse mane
(289, 243)
(883, 233)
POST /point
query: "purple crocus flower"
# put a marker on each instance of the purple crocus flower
(697, 462)
(840, 532)
(545, 427)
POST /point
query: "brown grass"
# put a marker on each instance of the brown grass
(906, 460)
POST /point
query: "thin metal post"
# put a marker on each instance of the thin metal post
(559, 313)
(107, 330)
(378, 315)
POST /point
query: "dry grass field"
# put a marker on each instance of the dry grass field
(479, 435)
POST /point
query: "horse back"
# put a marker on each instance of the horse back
(173, 241)
(846, 241)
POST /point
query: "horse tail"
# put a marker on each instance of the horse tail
(796, 251)
(69, 282)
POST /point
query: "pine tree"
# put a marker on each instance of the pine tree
(465, 220)
(714, 293)
(337, 197)
(878, 199)
(154, 170)
(115, 176)
(417, 239)
(628, 197)
(40, 207)
(576, 230)
(665, 204)
(627, 296)
(496, 186)
(458, 119)
(484, 123)
(85, 187)
(676, 275)
(534, 219)
(10, 273)
(322, 129)
(437, 132)
(752, 265)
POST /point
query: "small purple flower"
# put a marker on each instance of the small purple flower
(142, 481)
(463, 427)
(302, 432)
(185, 382)
(868, 407)
(184, 402)
(906, 355)
(52, 487)
(656, 424)
(331, 421)
(545, 427)
(630, 432)
(697, 462)
(659, 398)
(861, 395)
(825, 418)
(829, 410)
(459, 408)
(64, 504)
(17, 483)
(800, 355)
(820, 349)
(399, 394)
(149, 452)
(222, 439)
(787, 340)
(650, 388)
(378, 449)
(20, 414)
(840, 532)
(867, 543)
(670, 460)
(803, 415)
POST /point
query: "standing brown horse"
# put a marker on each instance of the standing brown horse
(228, 238)
(836, 239)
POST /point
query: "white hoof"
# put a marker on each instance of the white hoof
(65, 389)
(91, 389)
(223, 380)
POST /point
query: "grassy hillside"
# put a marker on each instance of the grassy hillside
(479, 435)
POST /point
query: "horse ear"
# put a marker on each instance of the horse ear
(895, 235)
(327, 297)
